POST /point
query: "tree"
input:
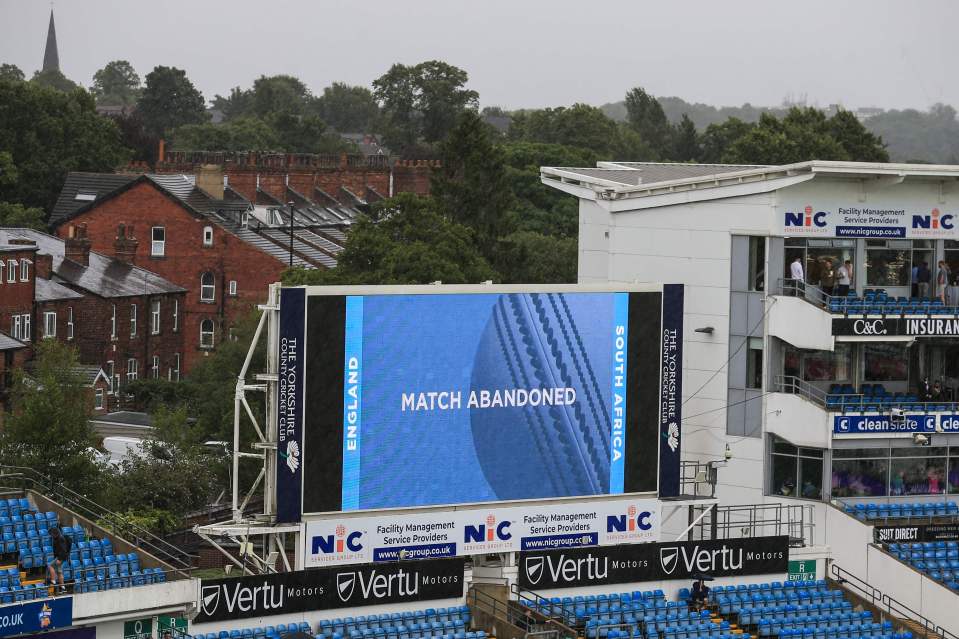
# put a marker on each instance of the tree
(242, 134)
(348, 108)
(19, 216)
(471, 185)
(421, 102)
(859, 143)
(53, 79)
(645, 115)
(169, 476)
(280, 94)
(528, 257)
(48, 429)
(805, 134)
(170, 100)
(116, 84)
(717, 139)
(48, 133)
(930, 136)
(11, 72)
(580, 126)
(686, 146)
(237, 104)
(405, 240)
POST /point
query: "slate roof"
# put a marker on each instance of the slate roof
(7, 343)
(104, 276)
(95, 185)
(49, 291)
(90, 373)
(126, 418)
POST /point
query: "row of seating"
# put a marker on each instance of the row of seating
(14, 506)
(432, 618)
(890, 306)
(280, 630)
(939, 564)
(871, 511)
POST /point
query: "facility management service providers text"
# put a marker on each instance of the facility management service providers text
(479, 530)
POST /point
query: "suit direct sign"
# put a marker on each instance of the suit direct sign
(653, 562)
(909, 534)
(872, 326)
(329, 588)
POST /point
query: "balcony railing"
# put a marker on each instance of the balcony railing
(859, 403)
(872, 302)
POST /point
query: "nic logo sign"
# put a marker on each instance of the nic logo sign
(808, 219)
(488, 535)
(933, 221)
(342, 543)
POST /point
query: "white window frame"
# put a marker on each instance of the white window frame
(133, 369)
(111, 373)
(157, 247)
(49, 324)
(25, 270)
(233, 288)
(176, 315)
(207, 236)
(211, 333)
(113, 323)
(11, 271)
(3, 265)
(27, 332)
(98, 399)
(155, 367)
(174, 372)
(15, 327)
(204, 287)
(133, 320)
(69, 322)
(155, 317)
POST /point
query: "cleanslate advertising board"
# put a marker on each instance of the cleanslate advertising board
(882, 220)
(886, 424)
(329, 589)
(653, 562)
(479, 530)
(477, 394)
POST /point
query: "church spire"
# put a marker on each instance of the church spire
(51, 59)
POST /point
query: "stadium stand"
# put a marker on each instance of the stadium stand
(809, 610)
(430, 623)
(874, 398)
(26, 549)
(883, 511)
(939, 560)
(878, 302)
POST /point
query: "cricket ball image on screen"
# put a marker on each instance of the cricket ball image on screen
(547, 349)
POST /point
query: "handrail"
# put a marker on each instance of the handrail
(796, 521)
(855, 403)
(808, 292)
(60, 494)
(561, 618)
(796, 386)
(887, 604)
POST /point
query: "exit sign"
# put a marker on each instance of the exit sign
(804, 570)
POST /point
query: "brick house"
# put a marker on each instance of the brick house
(122, 319)
(16, 311)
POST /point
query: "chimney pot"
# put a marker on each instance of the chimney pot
(125, 246)
(76, 247)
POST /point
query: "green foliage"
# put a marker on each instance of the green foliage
(11, 72)
(471, 186)
(421, 103)
(127, 524)
(717, 139)
(53, 79)
(645, 116)
(19, 216)
(405, 240)
(116, 84)
(169, 476)
(280, 94)
(170, 100)
(805, 134)
(931, 136)
(530, 257)
(48, 428)
(348, 109)
(241, 134)
(686, 146)
(48, 133)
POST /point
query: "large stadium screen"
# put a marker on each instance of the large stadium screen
(419, 399)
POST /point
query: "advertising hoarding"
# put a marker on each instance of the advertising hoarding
(878, 424)
(653, 562)
(922, 532)
(289, 445)
(872, 326)
(425, 398)
(884, 220)
(480, 530)
(36, 616)
(329, 589)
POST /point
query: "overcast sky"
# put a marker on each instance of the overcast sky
(523, 53)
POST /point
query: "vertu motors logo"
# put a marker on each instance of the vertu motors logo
(345, 584)
(669, 559)
(210, 599)
(535, 567)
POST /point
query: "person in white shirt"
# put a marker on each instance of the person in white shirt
(843, 279)
(796, 272)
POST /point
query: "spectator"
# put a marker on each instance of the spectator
(61, 553)
(914, 280)
(699, 595)
(827, 278)
(942, 280)
(796, 273)
(844, 279)
(924, 277)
